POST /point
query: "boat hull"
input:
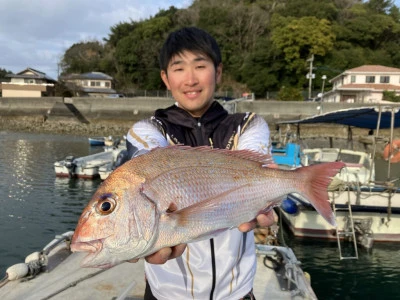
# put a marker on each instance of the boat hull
(376, 213)
(86, 167)
(63, 278)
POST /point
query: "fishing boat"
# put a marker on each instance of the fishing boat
(366, 210)
(100, 141)
(55, 273)
(288, 155)
(118, 158)
(88, 167)
(358, 164)
(96, 141)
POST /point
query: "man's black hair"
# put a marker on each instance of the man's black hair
(191, 39)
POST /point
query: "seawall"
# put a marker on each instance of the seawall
(105, 116)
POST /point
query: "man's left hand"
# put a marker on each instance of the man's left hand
(263, 220)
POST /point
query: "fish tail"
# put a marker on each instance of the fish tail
(318, 177)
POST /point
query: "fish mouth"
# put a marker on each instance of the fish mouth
(90, 246)
(93, 249)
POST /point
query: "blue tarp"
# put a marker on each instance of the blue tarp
(362, 117)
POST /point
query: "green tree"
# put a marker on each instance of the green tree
(82, 57)
(137, 54)
(4, 72)
(264, 43)
(290, 94)
(298, 39)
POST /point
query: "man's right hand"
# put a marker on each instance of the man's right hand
(164, 254)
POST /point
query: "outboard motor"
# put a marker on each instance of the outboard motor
(122, 158)
(70, 165)
(116, 143)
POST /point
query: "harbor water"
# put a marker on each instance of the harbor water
(35, 206)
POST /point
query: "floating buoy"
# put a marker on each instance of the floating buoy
(395, 155)
(17, 271)
(289, 206)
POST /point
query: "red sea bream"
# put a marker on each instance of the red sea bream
(180, 194)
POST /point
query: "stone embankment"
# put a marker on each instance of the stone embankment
(40, 125)
(103, 117)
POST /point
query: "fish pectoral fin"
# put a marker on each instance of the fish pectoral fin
(209, 211)
(172, 207)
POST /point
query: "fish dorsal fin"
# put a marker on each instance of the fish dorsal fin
(264, 159)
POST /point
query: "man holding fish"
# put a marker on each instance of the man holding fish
(190, 211)
(191, 66)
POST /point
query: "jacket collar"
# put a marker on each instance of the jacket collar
(179, 116)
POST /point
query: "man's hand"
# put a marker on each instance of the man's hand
(263, 220)
(164, 254)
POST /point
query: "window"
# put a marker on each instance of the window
(384, 79)
(353, 78)
(370, 79)
(97, 83)
(93, 83)
(29, 81)
(107, 84)
(85, 83)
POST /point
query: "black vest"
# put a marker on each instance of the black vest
(215, 128)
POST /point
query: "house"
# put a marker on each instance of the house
(364, 84)
(93, 84)
(28, 83)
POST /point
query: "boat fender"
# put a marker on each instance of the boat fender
(392, 151)
(35, 256)
(17, 271)
(289, 206)
(308, 277)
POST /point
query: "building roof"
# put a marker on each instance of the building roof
(36, 75)
(89, 75)
(366, 69)
(373, 69)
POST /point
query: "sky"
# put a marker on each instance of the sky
(36, 33)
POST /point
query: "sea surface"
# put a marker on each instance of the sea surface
(35, 206)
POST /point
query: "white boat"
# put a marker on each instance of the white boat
(358, 164)
(55, 273)
(366, 211)
(118, 158)
(88, 167)
(83, 167)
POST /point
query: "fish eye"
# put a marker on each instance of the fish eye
(106, 206)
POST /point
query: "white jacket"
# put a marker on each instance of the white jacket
(190, 276)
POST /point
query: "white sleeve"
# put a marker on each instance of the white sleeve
(255, 136)
(144, 135)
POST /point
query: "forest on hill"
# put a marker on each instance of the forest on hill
(265, 44)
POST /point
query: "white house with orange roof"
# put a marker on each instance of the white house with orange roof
(364, 84)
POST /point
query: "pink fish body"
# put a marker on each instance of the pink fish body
(180, 194)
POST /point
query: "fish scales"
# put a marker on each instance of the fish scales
(181, 194)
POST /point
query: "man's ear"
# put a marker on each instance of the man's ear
(164, 77)
(218, 73)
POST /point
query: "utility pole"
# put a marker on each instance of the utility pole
(321, 95)
(310, 75)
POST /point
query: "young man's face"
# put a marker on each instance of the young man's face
(191, 78)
